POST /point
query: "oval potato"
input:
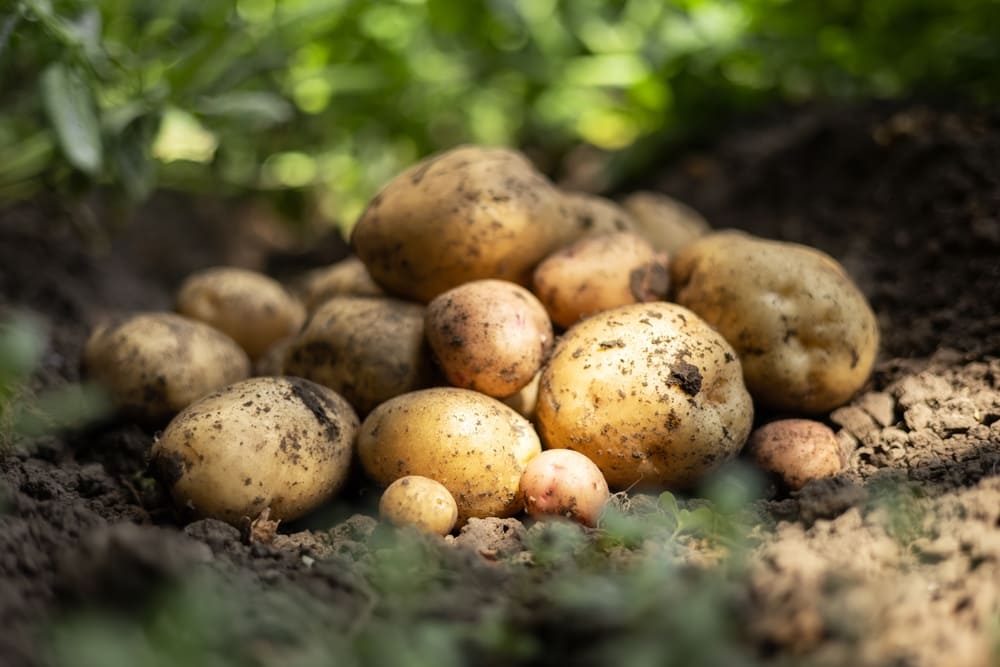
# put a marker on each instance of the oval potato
(419, 502)
(667, 223)
(592, 214)
(797, 450)
(348, 277)
(562, 482)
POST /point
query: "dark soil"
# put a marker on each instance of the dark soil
(895, 561)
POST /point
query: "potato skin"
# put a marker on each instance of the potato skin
(348, 277)
(649, 392)
(466, 214)
(805, 333)
(251, 308)
(474, 445)
(155, 364)
(599, 272)
(366, 349)
(279, 443)
(592, 214)
(665, 222)
(488, 335)
(419, 502)
(562, 482)
(797, 450)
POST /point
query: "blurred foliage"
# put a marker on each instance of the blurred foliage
(331, 98)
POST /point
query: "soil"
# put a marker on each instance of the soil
(896, 561)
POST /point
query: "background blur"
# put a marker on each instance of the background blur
(322, 101)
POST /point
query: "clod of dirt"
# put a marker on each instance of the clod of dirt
(492, 538)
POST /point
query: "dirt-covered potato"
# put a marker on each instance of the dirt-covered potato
(419, 502)
(525, 401)
(488, 335)
(467, 214)
(805, 333)
(649, 392)
(600, 272)
(155, 364)
(562, 482)
(249, 307)
(348, 277)
(592, 214)
(474, 445)
(667, 223)
(797, 450)
(367, 349)
(283, 444)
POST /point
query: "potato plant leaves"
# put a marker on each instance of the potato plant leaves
(70, 106)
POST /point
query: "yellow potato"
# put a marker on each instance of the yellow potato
(600, 272)
(797, 450)
(249, 307)
(525, 401)
(474, 445)
(467, 214)
(419, 502)
(592, 214)
(667, 223)
(283, 444)
(348, 277)
(488, 335)
(366, 349)
(805, 333)
(649, 392)
(155, 364)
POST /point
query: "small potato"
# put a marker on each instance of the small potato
(592, 214)
(251, 308)
(525, 401)
(488, 335)
(805, 333)
(649, 392)
(420, 502)
(278, 443)
(562, 482)
(667, 223)
(474, 445)
(797, 450)
(365, 348)
(467, 214)
(600, 272)
(348, 277)
(155, 364)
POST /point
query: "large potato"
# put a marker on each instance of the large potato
(489, 335)
(249, 307)
(463, 215)
(474, 445)
(600, 272)
(155, 364)
(366, 349)
(649, 392)
(805, 334)
(667, 223)
(283, 444)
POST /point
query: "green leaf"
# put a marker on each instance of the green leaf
(668, 503)
(69, 103)
(261, 109)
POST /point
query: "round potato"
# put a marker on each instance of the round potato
(805, 334)
(467, 214)
(488, 335)
(667, 223)
(366, 349)
(249, 307)
(474, 445)
(649, 392)
(419, 502)
(562, 482)
(600, 272)
(155, 364)
(592, 214)
(348, 277)
(283, 444)
(797, 450)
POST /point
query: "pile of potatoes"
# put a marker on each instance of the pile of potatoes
(483, 317)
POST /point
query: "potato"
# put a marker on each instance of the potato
(649, 392)
(667, 223)
(272, 362)
(797, 450)
(805, 334)
(348, 277)
(474, 445)
(600, 272)
(525, 401)
(488, 335)
(251, 308)
(562, 482)
(419, 502)
(592, 214)
(283, 444)
(367, 349)
(464, 215)
(155, 364)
